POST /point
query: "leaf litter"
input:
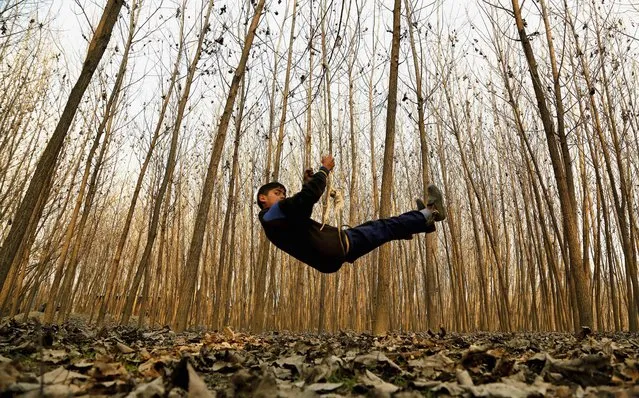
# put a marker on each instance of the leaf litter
(79, 360)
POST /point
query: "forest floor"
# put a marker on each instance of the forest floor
(78, 359)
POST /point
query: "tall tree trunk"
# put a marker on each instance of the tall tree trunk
(277, 160)
(70, 272)
(561, 133)
(264, 246)
(302, 278)
(525, 143)
(34, 200)
(168, 173)
(622, 198)
(353, 190)
(381, 323)
(232, 261)
(309, 97)
(113, 269)
(225, 249)
(566, 196)
(321, 325)
(67, 235)
(285, 95)
(373, 271)
(71, 228)
(195, 249)
(432, 319)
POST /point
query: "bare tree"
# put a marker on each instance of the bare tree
(222, 297)
(169, 170)
(381, 322)
(113, 270)
(195, 249)
(563, 176)
(430, 241)
(34, 200)
(622, 197)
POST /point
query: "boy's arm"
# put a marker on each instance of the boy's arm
(301, 204)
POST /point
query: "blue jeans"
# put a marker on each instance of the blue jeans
(372, 234)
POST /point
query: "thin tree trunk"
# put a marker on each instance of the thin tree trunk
(567, 197)
(34, 200)
(285, 95)
(70, 232)
(373, 271)
(113, 269)
(623, 198)
(232, 260)
(70, 274)
(195, 249)
(225, 249)
(381, 323)
(430, 239)
(168, 174)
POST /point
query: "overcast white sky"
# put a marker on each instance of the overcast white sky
(70, 19)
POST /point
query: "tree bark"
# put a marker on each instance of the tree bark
(566, 196)
(168, 173)
(113, 269)
(195, 249)
(432, 319)
(225, 249)
(381, 323)
(31, 206)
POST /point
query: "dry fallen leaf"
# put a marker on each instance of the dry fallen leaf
(371, 380)
(54, 356)
(8, 375)
(438, 361)
(376, 358)
(144, 354)
(124, 349)
(324, 387)
(463, 378)
(152, 368)
(508, 389)
(229, 333)
(56, 390)
(148, 390)
(81, 363)
(197, 387)
(108, 371)
(295, 362)
(61, 375)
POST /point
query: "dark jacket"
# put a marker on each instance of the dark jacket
(288, 225)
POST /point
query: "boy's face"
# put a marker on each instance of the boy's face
(273, 196)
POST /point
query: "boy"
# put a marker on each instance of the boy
(288, 225)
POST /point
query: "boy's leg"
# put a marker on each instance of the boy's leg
(372, 234)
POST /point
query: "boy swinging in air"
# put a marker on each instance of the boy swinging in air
(288, 225)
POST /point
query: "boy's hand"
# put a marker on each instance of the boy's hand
(328, 161)
(308, 174)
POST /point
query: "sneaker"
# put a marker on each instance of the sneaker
(435, 202)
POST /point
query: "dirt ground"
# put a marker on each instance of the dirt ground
(75, 359)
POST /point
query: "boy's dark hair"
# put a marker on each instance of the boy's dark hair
(265, 189)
